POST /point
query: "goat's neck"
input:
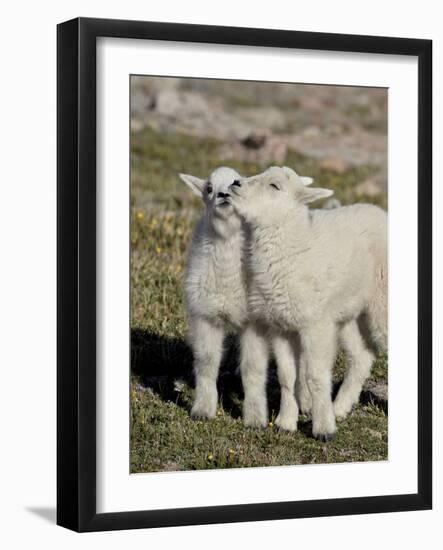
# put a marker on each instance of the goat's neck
(288, 236)
(223, 231)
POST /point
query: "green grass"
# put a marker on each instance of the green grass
(163, 437)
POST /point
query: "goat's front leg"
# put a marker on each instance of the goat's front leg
(318, 348)
(286, 371)
(206, 340)
(253, 368)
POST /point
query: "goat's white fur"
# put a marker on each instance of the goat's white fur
(216, 300)
(320, 274)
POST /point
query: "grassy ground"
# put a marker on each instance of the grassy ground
(163, 437)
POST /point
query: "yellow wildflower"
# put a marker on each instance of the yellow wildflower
(140, 215)
(158, 249)
(210, 457)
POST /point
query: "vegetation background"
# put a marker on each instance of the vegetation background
(338, 135)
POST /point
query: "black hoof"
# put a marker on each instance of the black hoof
(324, 438)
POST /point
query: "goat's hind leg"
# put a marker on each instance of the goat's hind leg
(360, 361)
(206, 340)
(302, 393)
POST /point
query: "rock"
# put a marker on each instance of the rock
(311, 131)
(171, 467)
(258, 147)
(373, 433)
(179, 104)
(334, 130)
(310, 103)
(335, 164)
(355, 147)
(262, 117)
(368, 187)
(256, 139)
(136, 125)
(378, 389)
(375, 393)
(315, 121)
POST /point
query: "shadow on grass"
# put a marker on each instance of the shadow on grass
(163, 364)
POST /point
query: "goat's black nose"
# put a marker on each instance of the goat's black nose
(237, 183)
(221, 195)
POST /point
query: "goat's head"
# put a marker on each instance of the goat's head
(266, 196)
(215, 191)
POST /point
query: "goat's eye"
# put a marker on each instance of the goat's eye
(237, 183)
(209, 189)
(275, 186)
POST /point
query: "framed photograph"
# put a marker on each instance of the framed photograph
(244, 274)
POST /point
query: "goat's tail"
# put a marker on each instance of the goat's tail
(377, 311)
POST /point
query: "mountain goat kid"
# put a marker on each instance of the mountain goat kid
(321, 274)
(216, 301)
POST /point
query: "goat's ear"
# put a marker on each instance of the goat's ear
(196, 184)
(311, 194)
(306, 180)
(290, 173)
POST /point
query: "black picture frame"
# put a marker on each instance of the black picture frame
(76, 273)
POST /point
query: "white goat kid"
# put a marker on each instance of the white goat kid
(216, 300)
(318, 273)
